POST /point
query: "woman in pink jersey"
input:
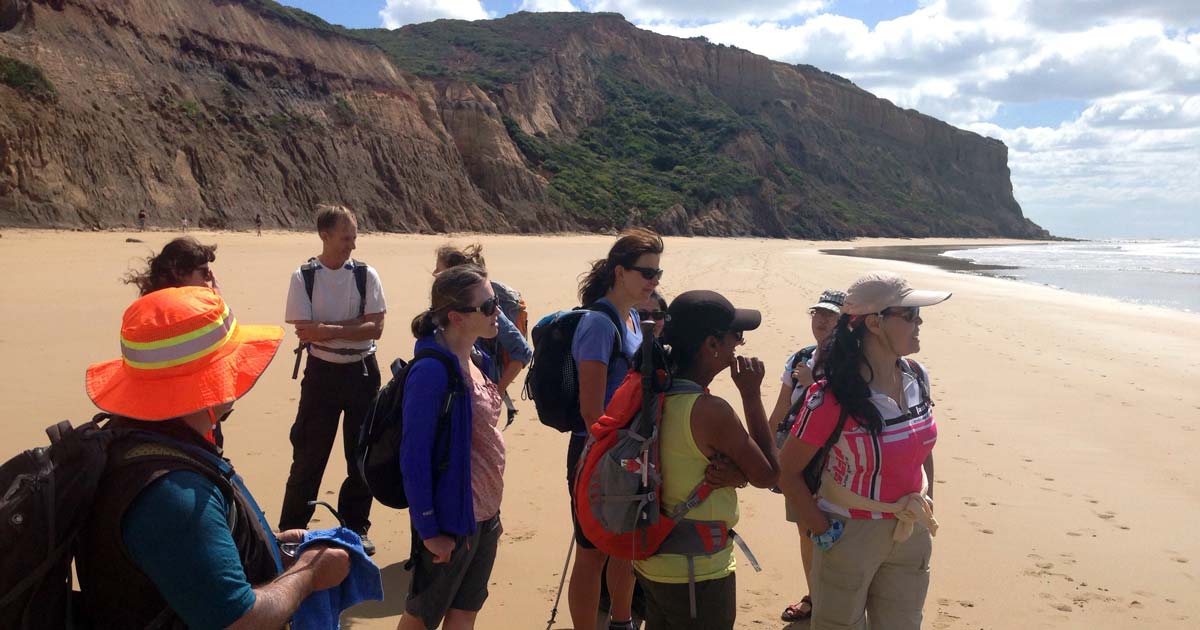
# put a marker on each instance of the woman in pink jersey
(872, 411)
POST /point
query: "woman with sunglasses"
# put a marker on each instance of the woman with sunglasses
(454, 505)
(691, 587)
(605, 342)
(653, 309)
(873, 404)
(183, 262)
(797, 377)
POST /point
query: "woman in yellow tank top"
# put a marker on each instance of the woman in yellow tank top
(704, 331)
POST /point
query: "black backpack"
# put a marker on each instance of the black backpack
(48, 495)
(378, 452)
(308, 271)
(553, 379)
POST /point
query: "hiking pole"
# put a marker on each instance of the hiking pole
(562, 580)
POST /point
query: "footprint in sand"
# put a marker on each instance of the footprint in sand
(1108, 516)
(1180, 560)
(1063, 607)
(986, 531)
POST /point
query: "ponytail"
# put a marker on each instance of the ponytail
(603, 275)
(423, 324)
(841, 359)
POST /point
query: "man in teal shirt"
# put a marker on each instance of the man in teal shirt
(175, 538)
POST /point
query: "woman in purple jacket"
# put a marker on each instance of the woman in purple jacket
(452, 455)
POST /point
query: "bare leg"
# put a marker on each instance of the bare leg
(620, 589)
(806, 555)
(459, 620)
(409, 622)
(583, 595)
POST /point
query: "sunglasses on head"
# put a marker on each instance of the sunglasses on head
(907, 313)
(655, 315)
(488, 308)
(649, 273)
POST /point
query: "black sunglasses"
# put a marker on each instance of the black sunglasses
(907, 313)
(649, 273)
(654, 315)
(488, 308)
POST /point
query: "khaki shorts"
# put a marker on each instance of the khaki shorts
(866, 575)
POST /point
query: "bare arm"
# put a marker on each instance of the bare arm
(317, 569)
(593, 376)
(782, 404)
(367, 327)
(793, 459)
(511, 370)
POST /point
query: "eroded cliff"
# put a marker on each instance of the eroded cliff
(222, 109)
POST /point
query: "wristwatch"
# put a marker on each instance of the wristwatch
(825, 541)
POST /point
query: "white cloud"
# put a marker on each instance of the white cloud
(1134, 66)
(397, 13)
(547, 5)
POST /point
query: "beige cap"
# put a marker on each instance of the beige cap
(878, 290)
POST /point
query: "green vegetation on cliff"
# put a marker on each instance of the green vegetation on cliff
(24, 77)
(649, 150)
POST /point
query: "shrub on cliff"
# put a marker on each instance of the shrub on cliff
(24, 77)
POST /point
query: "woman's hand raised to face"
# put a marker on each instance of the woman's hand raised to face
(747, 373)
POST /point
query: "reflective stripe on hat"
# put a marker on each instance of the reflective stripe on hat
(180, 349)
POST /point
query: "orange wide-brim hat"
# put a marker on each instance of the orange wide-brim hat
(182, 351)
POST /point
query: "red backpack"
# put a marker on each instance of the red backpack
(619, 484)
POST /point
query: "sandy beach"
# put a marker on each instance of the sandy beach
(1069, 425)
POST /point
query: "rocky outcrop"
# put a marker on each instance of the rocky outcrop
(219, 110)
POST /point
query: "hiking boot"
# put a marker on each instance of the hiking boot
(367, 545)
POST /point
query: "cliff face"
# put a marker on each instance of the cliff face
(221, 109)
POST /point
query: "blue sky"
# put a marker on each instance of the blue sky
(1100, 106)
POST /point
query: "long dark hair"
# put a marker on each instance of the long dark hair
(603, 275)
(167, 268)
(451, 289)
(841, 359)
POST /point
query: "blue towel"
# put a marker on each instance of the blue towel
(322, 610)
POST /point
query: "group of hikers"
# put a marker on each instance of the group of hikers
(177, 540)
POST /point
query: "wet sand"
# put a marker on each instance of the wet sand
(1069, 425)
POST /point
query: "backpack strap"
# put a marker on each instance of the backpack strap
(360, 280)
(912, 368)
(453, 388)
(308, 271)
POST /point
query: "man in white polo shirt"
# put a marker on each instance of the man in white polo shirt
(337, 306)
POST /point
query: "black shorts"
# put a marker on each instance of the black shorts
(574, 451)
(668, 607)
(461, 583)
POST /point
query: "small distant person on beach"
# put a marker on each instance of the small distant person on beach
(627, 276)
(798, 375)
(183, 223)
(258, 223)
(174, 538)
(654, 310)
(704, 333)
(454, 500)
(509, 349)
(141, 220)
(337, 306)
(874, 516)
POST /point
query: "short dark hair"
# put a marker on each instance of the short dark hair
(328, 217)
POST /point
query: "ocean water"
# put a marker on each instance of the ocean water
(1159, 273)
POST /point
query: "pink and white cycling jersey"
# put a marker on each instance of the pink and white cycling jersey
(882, 467)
